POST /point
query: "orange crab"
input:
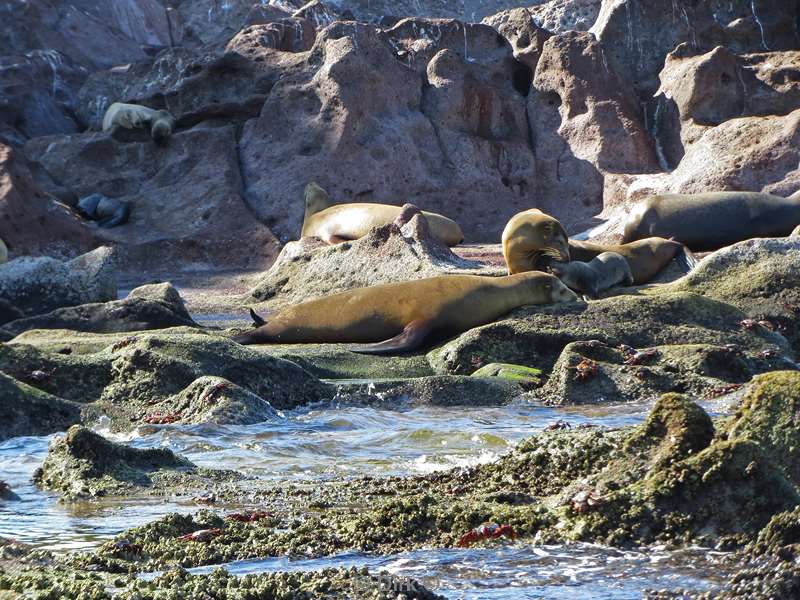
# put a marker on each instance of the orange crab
(484, 532)
(586, 500)
(248, 517)
(162, 419)
(202, 535)
(586, 369)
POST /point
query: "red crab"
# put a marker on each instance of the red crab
(202, 535)
(248, 517)
(558, 425)
(769, 353)
(126, 547)
(585, 500)
(637, 358)
(127, 341)
(586, 369)
(162, 419)
(486, 531)
(722, 390)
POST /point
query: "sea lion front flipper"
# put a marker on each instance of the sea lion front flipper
(686, 260)
(120, 217)
(409, 339)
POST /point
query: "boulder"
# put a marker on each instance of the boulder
(29, 411)
(526, 36)
(293, 34)
(186, 208)
(39, 285)
(559, 16)
(146, 308)
(214, 400)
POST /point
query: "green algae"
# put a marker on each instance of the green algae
(29, 411)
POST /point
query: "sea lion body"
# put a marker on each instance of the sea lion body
(3, 252)
(160, 123)
(796, 231)
(335, 223)
(108, 212)
(399, 316)
(532, 238)
(711, 220)
(602, 272)
(646, 258)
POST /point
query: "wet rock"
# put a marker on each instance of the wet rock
(592, 373)
(525, 376)
(310, 269)
(218, 401)
(32, 222)
(39, 285)
(145, 308)
(539, 335)
(768, 416)
(84, 464)
(29, 411)
(186, 210)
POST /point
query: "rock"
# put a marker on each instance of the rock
(29, 411)
(761, 277)
(31, 221)
(186, 211)
(525, 376)
(539, 335)
(287, 35)
(145, 308)
(704, 371)
(138, 379)
(38, 95)
(84, 464)
(38, 285)
(768, 415)
(217, 401)
(559, 16)
(310, 269)
(317, 13)
(526, 37)
(8, 312)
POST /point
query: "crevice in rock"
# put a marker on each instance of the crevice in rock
(521, 78)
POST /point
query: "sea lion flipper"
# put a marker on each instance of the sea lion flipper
(686, 260)
(258, 321)
(409, 339)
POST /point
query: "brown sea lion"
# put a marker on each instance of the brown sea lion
(711, 220)
(161, 123)
(336, 223)
(602, 272)
(398, 317)
(531, 239)
(646, 258)
(796, 230)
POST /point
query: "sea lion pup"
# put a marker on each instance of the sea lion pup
(711, 220)
(531, 239)
(399, 317)
(108, 212)
(161, 123)
(336, 223)
(602, 272)
(646, 258)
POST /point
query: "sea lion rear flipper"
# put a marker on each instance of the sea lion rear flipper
(409, 339)
(258, 321)
(686, 260)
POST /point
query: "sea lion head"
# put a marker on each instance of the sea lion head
(543, 288)
(316, 199)
(532, 239)
(163, 124)
(88, 205)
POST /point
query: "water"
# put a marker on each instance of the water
(332, 441)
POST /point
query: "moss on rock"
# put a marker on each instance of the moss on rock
(28, 411)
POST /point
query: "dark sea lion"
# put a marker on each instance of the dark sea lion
(398, 317)
(711, 220)
(336, 223)
(532, 238)
(602, 272)
(108, 212)
(646, 258)
(160, 123)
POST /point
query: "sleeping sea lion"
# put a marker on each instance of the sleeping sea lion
(161, 123)
(532, 238)
(108, 212)
(336, 223)
(796, 230)
(602, 272)
(711, 220)
(399, 317)
(646, 257)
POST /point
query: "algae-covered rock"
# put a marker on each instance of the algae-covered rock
(28, 411)
(592, 372)
(770, 415)
(538, 335)
(218, 401)
(83, 463)
(39, 285)
(134, 313)
(521, 374)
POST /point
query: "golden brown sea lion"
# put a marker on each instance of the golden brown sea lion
(398, 317)
(530, 239)
(335, 223)
(796, 230)
(646, 258)
(712, 220)
(161, 123)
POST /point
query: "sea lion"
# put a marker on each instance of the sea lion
(532, 238)
(711, 220)
(602, 272)
(646, 258)
(336, 223)
(796, 230)
(3, 252)
(161, 123)
(108, 212)
(398, 317)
